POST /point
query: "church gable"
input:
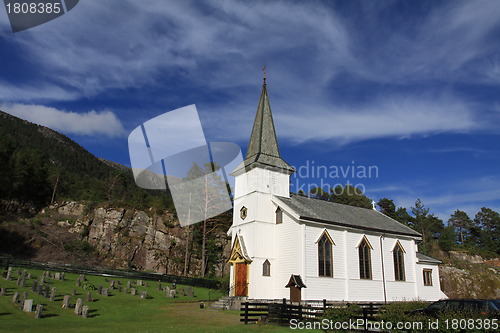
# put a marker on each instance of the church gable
(238, 251)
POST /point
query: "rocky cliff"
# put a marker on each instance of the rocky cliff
(116, 237)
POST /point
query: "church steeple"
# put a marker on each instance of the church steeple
(263, 146)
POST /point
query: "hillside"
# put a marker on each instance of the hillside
(39, 166)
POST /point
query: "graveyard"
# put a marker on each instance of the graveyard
(35, 300)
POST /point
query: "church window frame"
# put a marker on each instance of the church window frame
(278, 215)
(365, 262)
(243, 212)
(266, 268)
(398, 254)
(325, 255)
(427, 277)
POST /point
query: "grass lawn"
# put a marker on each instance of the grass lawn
(119, 312)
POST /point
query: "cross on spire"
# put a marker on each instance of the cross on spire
(265, 72)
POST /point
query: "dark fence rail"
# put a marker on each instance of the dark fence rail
(282, 313)
(206, 283)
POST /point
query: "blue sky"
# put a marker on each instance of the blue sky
(411, 87)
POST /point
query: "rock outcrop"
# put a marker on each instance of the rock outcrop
(144, 240)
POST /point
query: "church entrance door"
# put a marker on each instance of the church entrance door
(241, 285)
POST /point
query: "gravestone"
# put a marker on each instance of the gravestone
(74, 292)
(119, 289)
(174, 285)
(38, 312)
(23, 298)
(144, 294)
(147, 284)
(62, 276)
(167, 291)
(129, 284)
(189, 292)
(53, 294)
(34, 286)
(28, 305)
(39, 289)
(2, 291)
(105, 292)
(159, 286)
(9, 273)
(78, 282)
(46, 291)
(47, 274)
(57, 276)
(89, 297)
(82, 277)
(78, 307)
(66, 301)
(15, 298)
(125, 290)
(41, 279)
(99, 289)
(139, 282)
(133, 291)
(30, 276)
(112, 284)
(173, 293)
(85, 311)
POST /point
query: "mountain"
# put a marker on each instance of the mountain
(60, 203)
(39, 166)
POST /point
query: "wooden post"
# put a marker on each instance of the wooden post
(246, 313)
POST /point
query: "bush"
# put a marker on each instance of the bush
(343, 314)
(444, 322)
(397, 312)
(88, 286)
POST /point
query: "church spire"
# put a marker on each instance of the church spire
(263, 146)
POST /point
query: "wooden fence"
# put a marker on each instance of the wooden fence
(206, 283)
(282, 313)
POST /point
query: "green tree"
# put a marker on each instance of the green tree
(489, 221)
(387, 207)
(319, 193)
(427, 224)
(350, 195)
(447, 238)
(459, 219)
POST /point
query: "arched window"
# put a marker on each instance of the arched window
(399, 262)
(266, 268)
(325, 263)
(279, 216)
(365, 265)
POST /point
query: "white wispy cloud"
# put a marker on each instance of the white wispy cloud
(221, 46)
(396, 116)
(89, 123)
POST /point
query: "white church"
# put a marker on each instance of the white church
(299, 248)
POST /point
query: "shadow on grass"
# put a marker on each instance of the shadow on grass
(92, 313)
(48, 315)
(5, 313)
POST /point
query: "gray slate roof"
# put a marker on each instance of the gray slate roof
(423, 258)
(343, 215)
(263, 146)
